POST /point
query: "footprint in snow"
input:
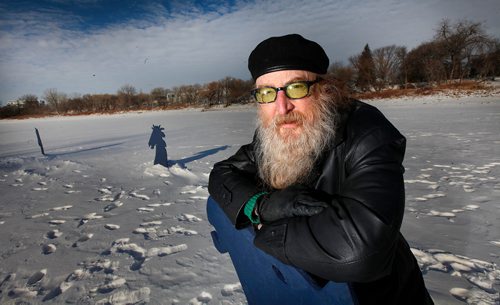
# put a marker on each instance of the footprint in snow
(123, 245)
(105, 191)
(48, 249)
(151, 223)
(112, 206)
(62, 208)
(163, 251)
(39, 189)
(98, 265)
(230, 289)
(90, 216)
(37, 215)
(156, 205)
(188, 218)
(36, 277)
(109, 197)
(22, 292)
(53, 234)
(111, 284)
(202, 299)
(139, 196)
(199, 197)
(111, 227)
(448, 215)
(60, 289)
(132, 297)
(191, 189)
(181, 230)
(71, 192)
(85, 237)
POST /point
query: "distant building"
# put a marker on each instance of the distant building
(17, 103)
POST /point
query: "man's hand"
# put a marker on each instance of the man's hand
(290, 202)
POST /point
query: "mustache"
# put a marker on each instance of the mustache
(289, 118)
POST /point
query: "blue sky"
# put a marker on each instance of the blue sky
(97, 46)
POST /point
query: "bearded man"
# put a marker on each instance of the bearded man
(322, 180)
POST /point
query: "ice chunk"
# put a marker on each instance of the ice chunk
(230, 289)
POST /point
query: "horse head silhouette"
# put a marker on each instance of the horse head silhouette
(156, 140)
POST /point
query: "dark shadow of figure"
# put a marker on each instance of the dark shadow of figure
(199, 155)
(156, 140)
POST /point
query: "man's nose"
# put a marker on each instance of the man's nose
(283, 103)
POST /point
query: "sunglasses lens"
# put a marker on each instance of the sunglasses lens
(265, 95)
(297, 90)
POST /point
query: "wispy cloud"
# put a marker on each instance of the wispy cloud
(177, 44)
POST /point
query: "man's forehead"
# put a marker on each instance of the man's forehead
(279, 78)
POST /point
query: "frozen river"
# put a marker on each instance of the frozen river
(451, 221)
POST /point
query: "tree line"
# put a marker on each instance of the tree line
(460, 50)
(224, 92)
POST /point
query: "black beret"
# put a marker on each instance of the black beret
(289, 52)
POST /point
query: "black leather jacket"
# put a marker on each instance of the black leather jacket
(357, 239)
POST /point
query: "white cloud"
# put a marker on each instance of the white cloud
(174, 47)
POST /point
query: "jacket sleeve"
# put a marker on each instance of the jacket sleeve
(233, 181)
(353, 240)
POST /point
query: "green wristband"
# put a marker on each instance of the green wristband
(250, 205)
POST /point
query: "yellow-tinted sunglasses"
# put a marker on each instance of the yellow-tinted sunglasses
(294, 90)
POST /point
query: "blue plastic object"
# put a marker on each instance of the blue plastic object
(266, 280)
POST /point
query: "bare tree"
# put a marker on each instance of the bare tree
(345, 76)
(426, 63)
(387, 62)
(401, 54)
(187, 94)
(212, 93)
(461, 42)
(234, 90)
(31, 103)
(55, 99)
(126, 96)
(487, 64)
(160, 95)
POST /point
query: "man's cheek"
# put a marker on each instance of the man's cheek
(265, 118)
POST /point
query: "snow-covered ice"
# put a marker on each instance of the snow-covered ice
(95, 222)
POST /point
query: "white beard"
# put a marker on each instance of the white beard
(288, 157)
